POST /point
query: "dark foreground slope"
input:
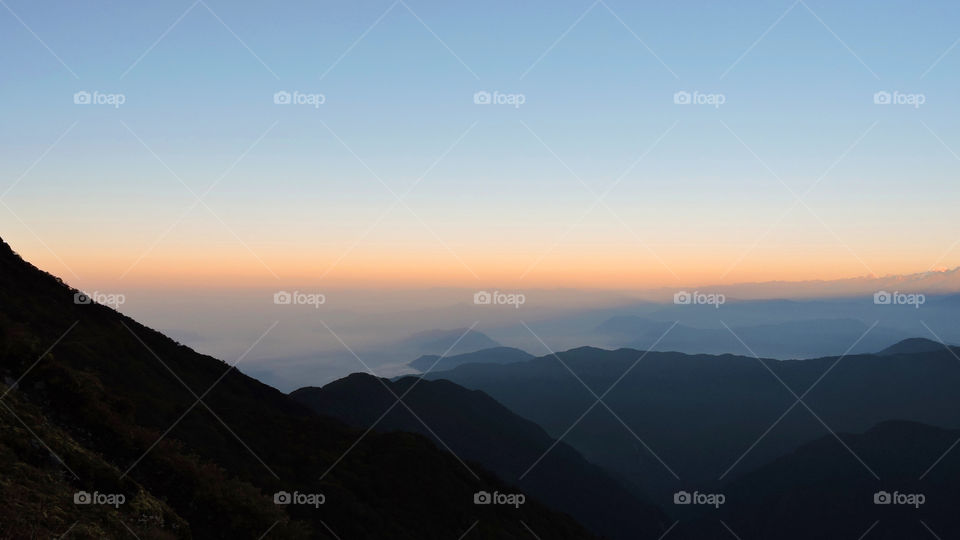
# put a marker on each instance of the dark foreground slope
(132, 412)
(477, 428)
(37, 490)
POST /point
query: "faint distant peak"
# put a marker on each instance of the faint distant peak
(913, 346)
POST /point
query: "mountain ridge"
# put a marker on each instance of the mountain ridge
(479, 429)
(216, 444)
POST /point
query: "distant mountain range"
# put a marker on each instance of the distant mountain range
(389, 358)
(101, 404)
(707, 419)
(721, 424)
(478, 429)
(782, 340)
(494, 355)
(776, 328)
(913, 346)
(450, 342)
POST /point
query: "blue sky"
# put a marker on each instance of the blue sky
(598, 81)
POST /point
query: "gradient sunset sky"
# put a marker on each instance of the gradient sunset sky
(399, 179)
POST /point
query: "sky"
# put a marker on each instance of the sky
(624, 145)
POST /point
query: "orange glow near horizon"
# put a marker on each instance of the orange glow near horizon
(424, 266)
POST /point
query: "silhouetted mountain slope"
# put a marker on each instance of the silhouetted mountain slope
(37, 492)
(478, 429)
(711, 418)
(913, 346)
(494, 355)
(822, 491)
(130, 395)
